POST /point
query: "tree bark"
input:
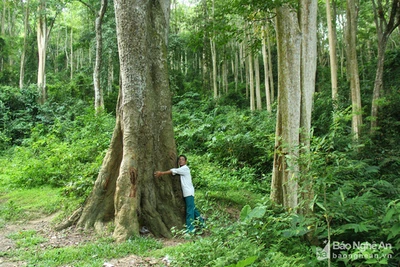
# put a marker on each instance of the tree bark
(284, 185)
(266, 71)
(23, 61)
(308, 26)
(351, 43)
(258, 86)
(125, 191)
(42, 46)
(98, 91)
(332, 52)
(297, 49)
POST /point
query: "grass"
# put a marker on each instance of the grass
(30, 247)
(29, 204)
(88, 254)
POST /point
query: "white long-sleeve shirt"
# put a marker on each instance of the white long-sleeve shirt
(186, 180)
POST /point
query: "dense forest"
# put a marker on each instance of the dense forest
(288, 112)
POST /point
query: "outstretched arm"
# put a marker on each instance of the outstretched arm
(158, 174)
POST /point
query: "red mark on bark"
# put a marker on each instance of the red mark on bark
(133, 177)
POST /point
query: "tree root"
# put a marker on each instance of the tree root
(73, 219)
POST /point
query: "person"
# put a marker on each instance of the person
(192, 213)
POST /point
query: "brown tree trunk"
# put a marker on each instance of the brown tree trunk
(125, 191)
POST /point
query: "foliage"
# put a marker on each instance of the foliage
(233, 138)
(19, 112)
(56, 155)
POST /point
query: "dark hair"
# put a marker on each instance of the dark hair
(182, 156)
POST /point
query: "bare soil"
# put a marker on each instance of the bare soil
(68, 237)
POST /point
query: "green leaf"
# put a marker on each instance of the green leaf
(394, 230)
(389, 215)
(247, 261)
(320, 205)
(257, 212)
(245, 212)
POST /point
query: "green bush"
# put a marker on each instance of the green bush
(59, 155)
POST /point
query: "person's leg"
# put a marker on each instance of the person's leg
(197, 216)
(189, 213)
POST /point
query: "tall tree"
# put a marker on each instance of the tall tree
(387, 19)
(44, 25)
(98, 91)
(296, 36)
(42, 39)
(308, 27)
(284, 185)
(332, 50)
(352, 65)
(143, 141)
(266, 71)
(25, 45)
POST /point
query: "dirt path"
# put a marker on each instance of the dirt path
(68, 237)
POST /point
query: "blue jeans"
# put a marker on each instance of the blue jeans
(191, 214)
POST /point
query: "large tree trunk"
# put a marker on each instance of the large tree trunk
(308, 26)
(284, 185)
(143, 141)
(297, 49)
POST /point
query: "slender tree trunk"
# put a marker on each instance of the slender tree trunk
(42, 47)
(271, 76)
(214, 67)
(251, 80)
(98, 91)
(23, 61)
(332, 51)
(143, 141)
(236, 71)
(71, 42)
(266, 71)
(3, 31)
(110, 76)
(384, 28)
(206, 51)
(353, 68)
(225, 76)
(257, 78)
